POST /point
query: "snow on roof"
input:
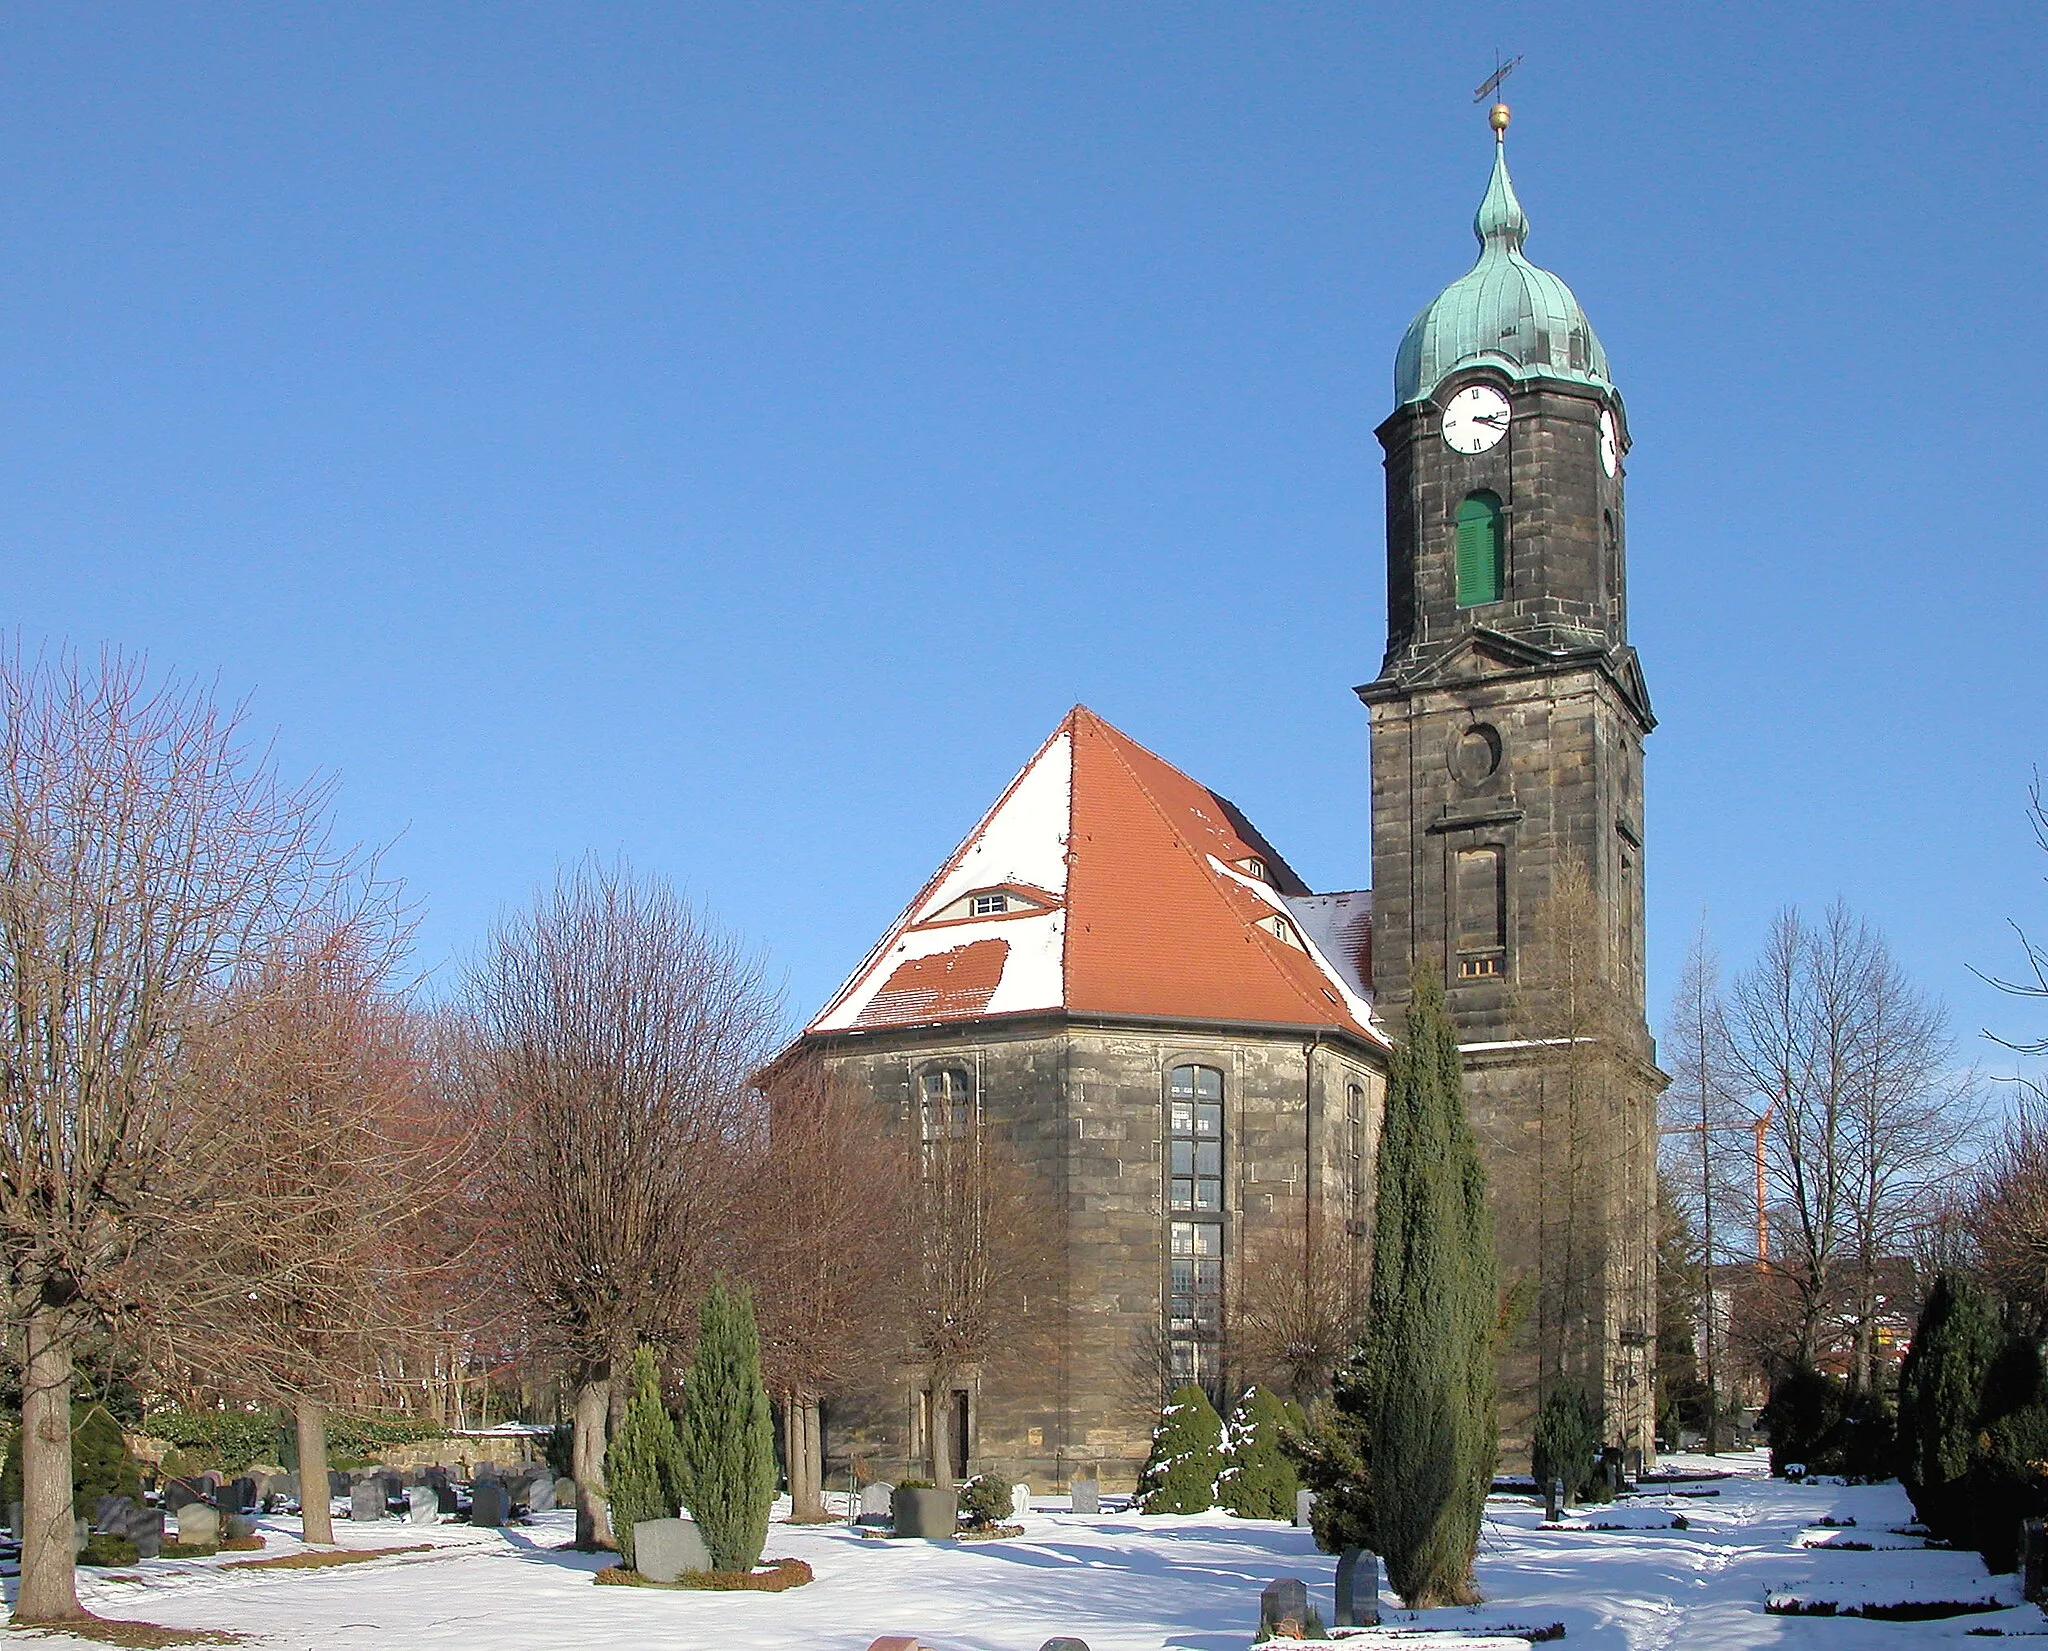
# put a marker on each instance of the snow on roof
(1138, 894)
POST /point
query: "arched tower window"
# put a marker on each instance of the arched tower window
(1482, 549)
(1194, 1314)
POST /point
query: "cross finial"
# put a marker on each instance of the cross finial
(1497, 117)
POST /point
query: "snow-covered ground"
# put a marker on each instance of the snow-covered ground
(1122, 1582)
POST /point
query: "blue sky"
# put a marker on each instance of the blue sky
(732, 436)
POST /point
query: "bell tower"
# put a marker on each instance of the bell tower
(1508, 721)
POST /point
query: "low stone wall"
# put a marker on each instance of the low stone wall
(452, 1450)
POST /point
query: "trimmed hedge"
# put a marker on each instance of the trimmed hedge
(235, 1438)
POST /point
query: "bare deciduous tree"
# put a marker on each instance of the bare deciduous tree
(616, 1032)
(2008, 1217)
(822, 1252)
(145, 857)
(1850, 1066)
(1303, 1292)
(339, 1173)
(984, 1250)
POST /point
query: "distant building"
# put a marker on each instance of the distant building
(1116, 976)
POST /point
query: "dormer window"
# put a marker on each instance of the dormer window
(1253, 867)
(1002, 900)
(1280, 929)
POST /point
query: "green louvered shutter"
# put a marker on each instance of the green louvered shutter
(1479, 550)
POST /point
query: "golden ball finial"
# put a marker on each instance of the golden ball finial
(1499, 118)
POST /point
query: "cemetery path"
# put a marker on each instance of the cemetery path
(1122, 1582)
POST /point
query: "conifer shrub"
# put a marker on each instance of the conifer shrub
(728, 1432)
(984, 1501)
(2008, 1476)
(1566, 1444)
(1428, 1364)
(1329, 1450)
(643, 1464)
(1187, 1454)
(104, 1548)
(1941, 1390)
(1804, 1420)
(1258, 1480)
(101, 1463)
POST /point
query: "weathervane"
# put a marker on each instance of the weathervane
(1490, 87)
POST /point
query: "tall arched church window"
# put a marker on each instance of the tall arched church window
(1194, 1313)
(1482, 549)
(946, 1103)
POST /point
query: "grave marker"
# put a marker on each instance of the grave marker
(423, 1505)
(663, 1549)
(1085, 1495)
(1358, 1589)
(1283, 1609)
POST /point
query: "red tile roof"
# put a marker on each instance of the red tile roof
(1157, 918)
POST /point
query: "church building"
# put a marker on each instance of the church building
(1117, 978)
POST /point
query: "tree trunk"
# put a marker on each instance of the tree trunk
(593, 1407)
(316, 1511)
(814, 1449)
(938, 1400)
(800, 1433)
(49, 1583)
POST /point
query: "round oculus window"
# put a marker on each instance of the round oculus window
(1475, 758)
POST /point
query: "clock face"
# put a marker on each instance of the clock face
(1476, 418)
(1610, 442)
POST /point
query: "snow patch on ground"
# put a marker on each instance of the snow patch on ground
(1120, 1581)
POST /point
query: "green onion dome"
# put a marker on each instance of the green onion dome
(1503, 312)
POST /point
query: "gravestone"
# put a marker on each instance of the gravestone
(366, 1500)
(14, 1520)
(180, 1492)
(1304, 1505)
(488, 1503)
(240, 1496)
(565, 1492)
(1020, 1501)
(81, 1534)
(1358, 1589)
(237, 1527)
(895, 1642)
(1085, 1495)
(445, 1498)
(423, 1505)
(109, 1511)
(874, 1498)
(1553, 1502)
(1064, 1642)
(199, 1525)
(337, 1483)
(540, 1495)
(2033, 1566)
(1283, 1609)
(145, 1528)
(663, 1549)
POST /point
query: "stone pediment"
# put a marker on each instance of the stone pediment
(1484, 655)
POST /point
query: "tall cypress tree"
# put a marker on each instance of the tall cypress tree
(1941, 1388)
(643, 1465)
(1428, 1371)
(728, 1435)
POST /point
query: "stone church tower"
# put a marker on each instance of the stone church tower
(1117, 984)
(1507, 798)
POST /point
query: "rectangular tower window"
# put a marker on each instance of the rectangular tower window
(1479, 902)
(1195, 1313)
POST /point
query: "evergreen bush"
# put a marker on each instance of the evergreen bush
(1428, 1368)
(1566, 1444)
(104, 1548)
(1179, 1475)
(1804, 1420)
(1941, 1391)
(101, 1463)
(984, 1501)
(1258, 1480)
(643, 1464)
(2008, 1477)
(1329, 1449)
(728, 1432)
